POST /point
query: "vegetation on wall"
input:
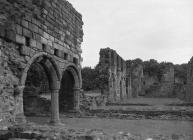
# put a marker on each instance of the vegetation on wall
(181, 72)
(96, 78)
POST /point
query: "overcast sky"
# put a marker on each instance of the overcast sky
(158, 29)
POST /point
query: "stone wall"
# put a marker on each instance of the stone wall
(189, 86)
(36, 30)
(126, 79)
(164, 87)
(135, 78)
(116, 88)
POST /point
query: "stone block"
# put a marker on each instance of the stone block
(46, 35)
(48, 49)
(25, 23)
(51, 38)
(24, 50)
(27, 33)
(30, 26)
(51, 51)
(44, 40)
(10, 35)
(40, 31)
(39, 45)
(35, 29)
(50, 43)
(2, 32)
(19, 29)
(20, 39)
(33, 43)
(34, 21)
(31, 52)
(37, 37)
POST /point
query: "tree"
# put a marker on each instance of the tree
(102, 77)
(88, 78)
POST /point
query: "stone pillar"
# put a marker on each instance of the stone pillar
(55, 120)
(19, 111)
(77, 99)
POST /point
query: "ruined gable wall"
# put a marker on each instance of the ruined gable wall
(117, 74)
(27, 28)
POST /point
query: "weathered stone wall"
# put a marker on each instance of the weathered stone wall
(135, 79)
(116, 89)
(189, 86)
(167, 83)
(125, 79)
(160, 88)
(30, 29)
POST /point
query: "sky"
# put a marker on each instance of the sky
(146, 29)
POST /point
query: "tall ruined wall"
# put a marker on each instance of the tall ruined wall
(135, 78)
(189, 86)
(167, 82)
(116, 89)
(162, 86)
(29, 28)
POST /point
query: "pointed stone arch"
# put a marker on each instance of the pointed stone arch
(53, 72)
(69, 95)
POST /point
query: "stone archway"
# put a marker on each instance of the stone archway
(53, 75)
(37, 94)
(69, 90)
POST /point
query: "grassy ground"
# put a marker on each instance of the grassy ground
(145, 128)
(154, 101)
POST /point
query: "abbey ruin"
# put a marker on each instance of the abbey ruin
(42, 94)
(127, 79)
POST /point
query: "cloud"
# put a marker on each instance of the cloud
(160, 29)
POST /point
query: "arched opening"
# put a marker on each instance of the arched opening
(66, 93)
(36, 94)
(40, 80)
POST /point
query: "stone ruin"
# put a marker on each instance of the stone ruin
(189, 85)
(135, 78)
(39, 36)
(126, 79)
(117, 74)
(163, 87)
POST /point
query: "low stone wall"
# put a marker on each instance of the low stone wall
(89, 101)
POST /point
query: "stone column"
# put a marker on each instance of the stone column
(77, 99)
(55, 120)
(19, 111)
